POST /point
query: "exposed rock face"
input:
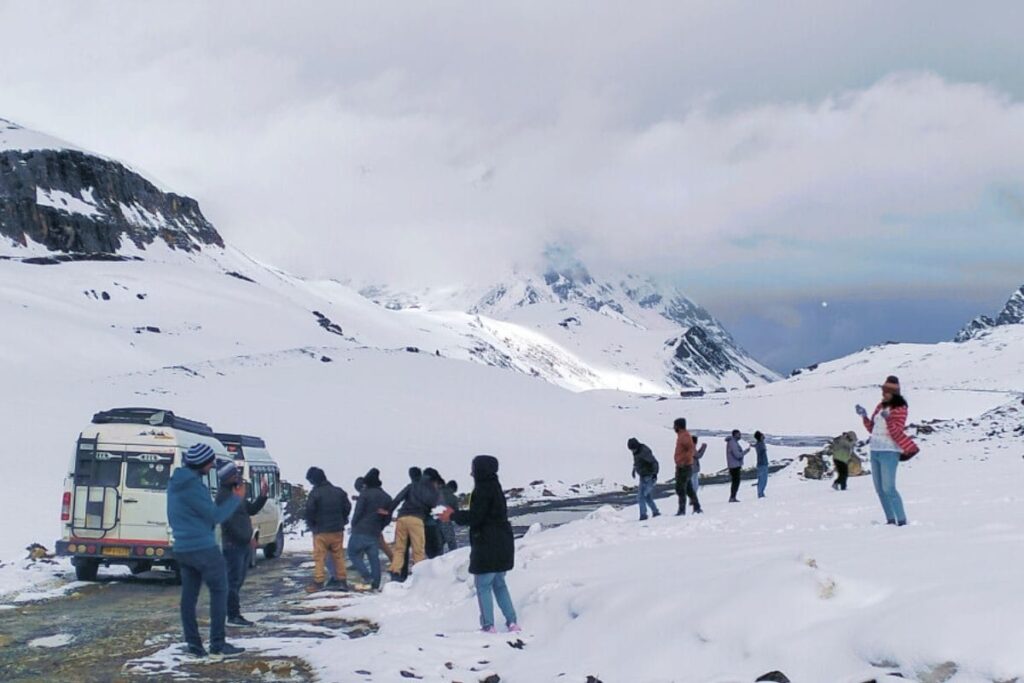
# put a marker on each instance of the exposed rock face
(72, 201)
(1012, 314)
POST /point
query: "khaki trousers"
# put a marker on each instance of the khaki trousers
(323, 544)
(408, 531)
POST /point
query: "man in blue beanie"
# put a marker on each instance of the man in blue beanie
(193, 516)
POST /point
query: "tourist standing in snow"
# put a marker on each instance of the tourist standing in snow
(416, 502)
(433, 540)
(193, 515)
(684, 457)
(762, 463)
(889, 444)
(327, 511)
(697, 456)
(734, 454)
(645, 466)
(450, 499)
(492, 546)
(842, 449)
(236, 537)
(368, 521)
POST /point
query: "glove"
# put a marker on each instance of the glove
(861, 411)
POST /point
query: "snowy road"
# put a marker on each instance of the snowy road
(119, 629)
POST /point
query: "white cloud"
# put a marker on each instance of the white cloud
(445, 141)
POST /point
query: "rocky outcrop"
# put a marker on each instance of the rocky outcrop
(71, 201)
(1012, 314)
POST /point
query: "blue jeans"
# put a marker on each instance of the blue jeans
(493, 584)
(360, 545)
(883, 474)
(696, 481)
(237, 560)
(198, 567)
(762, 479)
(644, 497)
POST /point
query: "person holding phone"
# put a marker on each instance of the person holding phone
(889, 445)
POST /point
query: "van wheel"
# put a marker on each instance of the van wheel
(86, 569)
(272, 550)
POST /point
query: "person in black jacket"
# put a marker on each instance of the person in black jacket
(368, 521)
(433, 540)
(645, 466)
(236, 538)
(327, 511)
(492, 546)
(414, 504)
(449, 499)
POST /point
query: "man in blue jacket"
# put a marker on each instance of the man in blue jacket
(193, 516)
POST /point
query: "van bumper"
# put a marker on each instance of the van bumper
(114, 552)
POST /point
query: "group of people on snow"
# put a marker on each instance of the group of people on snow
(889, 446)
(687, 457)
(428, 510)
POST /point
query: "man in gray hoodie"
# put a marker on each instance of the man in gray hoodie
(734, 454)
(368, 521)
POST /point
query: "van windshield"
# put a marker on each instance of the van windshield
(147, 475)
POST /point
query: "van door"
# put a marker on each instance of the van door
(266, 519)
(144, 496)
(96, 507)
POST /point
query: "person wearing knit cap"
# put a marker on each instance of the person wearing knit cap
(889, 445)
(327, 511)
(193, 516)
(382, 542)
(236, 535)
(371, 515)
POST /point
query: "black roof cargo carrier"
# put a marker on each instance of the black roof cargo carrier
(154, 417)
(242, 440)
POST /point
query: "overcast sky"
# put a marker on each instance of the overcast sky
(765, 156)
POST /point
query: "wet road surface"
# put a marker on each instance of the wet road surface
(118, 624)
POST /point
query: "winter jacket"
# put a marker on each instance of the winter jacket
(762, 453)
(734, 452)
(896, 425)
(327, 508)
(191, 512)
(644, 462)
(417, 499)
(684, 448)
(492, 546)
(236, 530)
(366, 520)
(697, 457)
(449, 499)
(842, 447)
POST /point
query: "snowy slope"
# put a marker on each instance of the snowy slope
(628, 323)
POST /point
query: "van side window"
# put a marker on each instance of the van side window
(147, 475)
(272, 476)
(98, 472)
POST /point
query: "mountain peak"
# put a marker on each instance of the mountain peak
(64, 199)
(1011, 314)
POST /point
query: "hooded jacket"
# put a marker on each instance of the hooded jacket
(417, 499)
(842, 447)
(762, 453)
(492, 545)
(644, 462)
(327, 506)
(191, 512)
(366, 520)
(734, 452)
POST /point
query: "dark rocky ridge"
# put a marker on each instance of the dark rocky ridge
(1012, 314)
(99, 204)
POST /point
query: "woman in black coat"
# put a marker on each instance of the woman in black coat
(492, 546)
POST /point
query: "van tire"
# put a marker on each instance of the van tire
(86, 569)
(272, 550)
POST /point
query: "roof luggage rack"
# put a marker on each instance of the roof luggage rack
(243, 440)
(155, 417)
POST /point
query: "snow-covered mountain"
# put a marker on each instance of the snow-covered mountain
(59, 203)
(1012, 314)
(628, 323)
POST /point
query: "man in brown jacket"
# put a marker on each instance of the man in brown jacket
(684, 468)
